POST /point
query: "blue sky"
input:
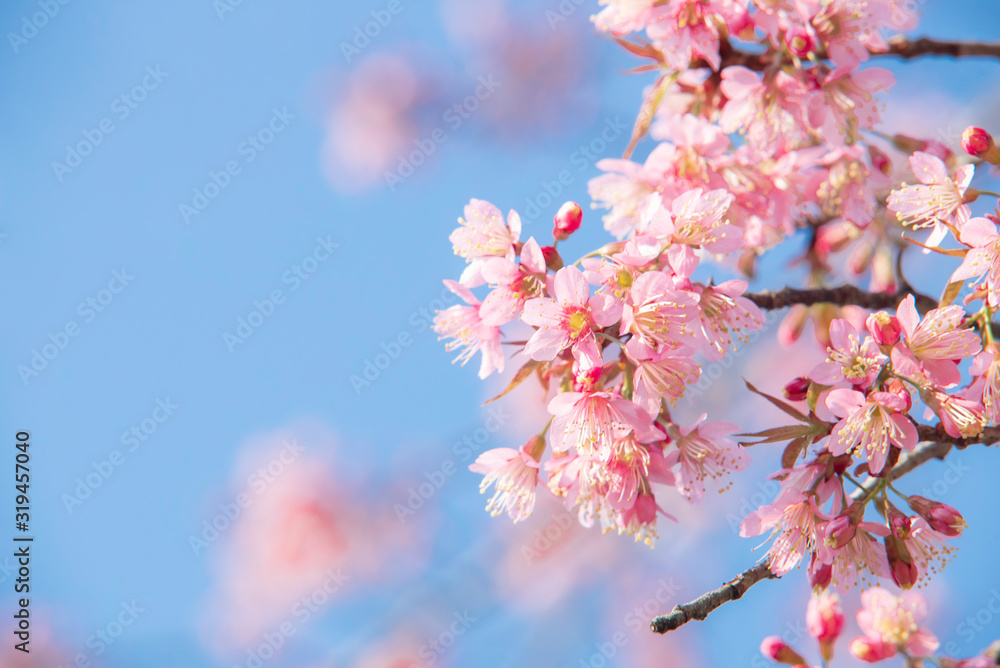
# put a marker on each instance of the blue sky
(166, 291)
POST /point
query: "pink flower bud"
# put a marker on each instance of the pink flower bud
(839, 531)
(567, 220)
(880, 160)
(774, 648)
(942, 518)
(797, 389)
(799, 42)
(979, 142)
(899, 522)
(820, 574)
(870, 650)
(904, 571)
(884, 328)
(825, 621)
(553, 260)
(834, 237)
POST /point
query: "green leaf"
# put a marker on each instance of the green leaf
(788, 408)
(518, 378)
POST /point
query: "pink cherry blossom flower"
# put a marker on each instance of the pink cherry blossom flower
(869, 425)
(703, 452)
(659, 376)
(569, 319)
(463, 324)
(961, 418)
(792, 520)
(936, 340)
(726, 313)
(624, 188)
(620, 17)
(850, 358)
(515, 474)
(766, 112)
(894, 620)
(690, 29)
(516, 283)
(662, 317)
(591, 421)
(639, 519)
(824, 617)
(482, 235)
(616, 274)
(986, 366)
(696, 219)
(983, 257)
(939, 202)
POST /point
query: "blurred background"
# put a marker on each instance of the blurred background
(223, 230)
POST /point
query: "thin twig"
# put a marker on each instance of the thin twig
(700, 608)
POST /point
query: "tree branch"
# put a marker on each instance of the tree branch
(842, 295)
(908, 49)
(900, 47)
(938, 448)
(701, 606)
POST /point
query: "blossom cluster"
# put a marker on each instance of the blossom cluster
(890, 626)
(753, 145)
(616, 338)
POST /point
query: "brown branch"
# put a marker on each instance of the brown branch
(908, 49)
(842, 295)
(701, 606)
(940, 445)
(900, 47)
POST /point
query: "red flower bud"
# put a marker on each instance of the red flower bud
(798, 389)
(880, 160)
(904, 571)
(774, 648)
(942, 517)
(553, 260)
(979, 142)
(884, 328)
(820, 574)
(567, 220)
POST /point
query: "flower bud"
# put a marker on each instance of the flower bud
(553, 260)
(825, 621)
(979, 142)
(871, 650)
(820, 574)
(774, 648)
(839, 532)
(799, 42)
(880, 160)
(904, 571)
(567, 220)
(884, 328)
(943, 518)
(797, 389)
(899, 522)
